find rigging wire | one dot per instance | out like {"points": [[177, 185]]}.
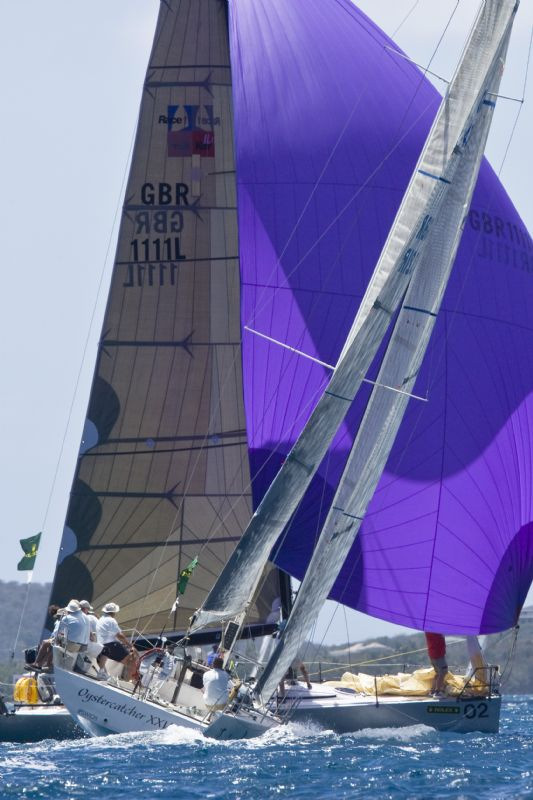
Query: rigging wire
{"points": [[77, 381], [521, 105], [385, 660], [21, 617], [404, 20], [505, 673]]}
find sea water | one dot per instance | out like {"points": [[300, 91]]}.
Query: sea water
{"points": [[293, 762]]}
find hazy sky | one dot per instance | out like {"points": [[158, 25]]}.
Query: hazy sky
{"points": [[72, 75]]}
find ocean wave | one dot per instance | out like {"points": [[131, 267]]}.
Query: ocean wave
{"points": [[405, 734], [295, 761], [22, 762]]}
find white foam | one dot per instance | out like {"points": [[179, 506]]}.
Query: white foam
{"points": [[285, 734], [23, 762], [117, 740], [399, 734], [177, 734]]}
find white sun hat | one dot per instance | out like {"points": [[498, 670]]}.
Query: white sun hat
{"points": [[110, 608], [73, 606]]}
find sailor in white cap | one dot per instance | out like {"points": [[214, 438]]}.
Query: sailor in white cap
{"points": [[88, 610], [115, 645], [74, 628]]}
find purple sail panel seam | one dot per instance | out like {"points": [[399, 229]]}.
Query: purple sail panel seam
{"points": [[444, 315]]}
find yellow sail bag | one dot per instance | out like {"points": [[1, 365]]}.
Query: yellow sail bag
{"points": [[26, 691]]}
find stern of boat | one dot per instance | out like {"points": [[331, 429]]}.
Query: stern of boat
{"points": [[345, 711]]}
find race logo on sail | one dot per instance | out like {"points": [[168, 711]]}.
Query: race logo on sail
{"points": [[190, 130]]}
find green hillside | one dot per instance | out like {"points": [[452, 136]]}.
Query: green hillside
{"points": [[12, 597], [408, 652]]}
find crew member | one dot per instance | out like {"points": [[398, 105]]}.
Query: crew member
{"points": [[212, 655], [436, 645], [74, 628], [88, 610], [479, 669], [44, 656], [217, 686], [297, 663], [115, 645]]}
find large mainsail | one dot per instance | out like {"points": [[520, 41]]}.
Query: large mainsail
{"points": [[483, 58], [163, 473], [403, 250]]}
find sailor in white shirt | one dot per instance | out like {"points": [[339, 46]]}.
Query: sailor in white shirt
{"points": [[94, 648], [115, 645], [87, 609], [217, 686], [74, 628]]}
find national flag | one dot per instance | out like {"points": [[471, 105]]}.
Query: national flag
{"points": [[185, 574], [30, 547]]}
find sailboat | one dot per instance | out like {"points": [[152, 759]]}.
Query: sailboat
{"points": [[164, 466]]}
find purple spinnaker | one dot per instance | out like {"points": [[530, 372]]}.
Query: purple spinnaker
{"points": [[329, 124]]}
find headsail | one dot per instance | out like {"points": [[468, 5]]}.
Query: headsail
{"points": [[403, 249], [452, 511], [483, 58], [163, 473]]}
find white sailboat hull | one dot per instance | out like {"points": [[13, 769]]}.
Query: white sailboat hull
{"points": [[101, 709], [345, 712]]}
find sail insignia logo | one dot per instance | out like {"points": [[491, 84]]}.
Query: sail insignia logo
{"points": [[190, 130]]}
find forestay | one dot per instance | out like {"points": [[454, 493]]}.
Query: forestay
{"points": [[486, 51], [404, 247]]}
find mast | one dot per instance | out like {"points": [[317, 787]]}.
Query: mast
{"points": [[476, 83]]}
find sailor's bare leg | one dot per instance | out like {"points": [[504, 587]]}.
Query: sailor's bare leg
{"points": [[305, 673]]}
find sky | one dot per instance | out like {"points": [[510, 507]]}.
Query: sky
{"points": [[72, 77]]}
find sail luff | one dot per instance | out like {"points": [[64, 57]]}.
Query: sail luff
{"points": [[404, 247], [400, 366]]}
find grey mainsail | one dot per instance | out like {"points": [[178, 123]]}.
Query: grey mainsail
{"points": [[408, 342], [403, 251], [163, 473]]}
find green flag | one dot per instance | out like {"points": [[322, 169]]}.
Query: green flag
{"points": [[185, 574], [30, 547]]}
